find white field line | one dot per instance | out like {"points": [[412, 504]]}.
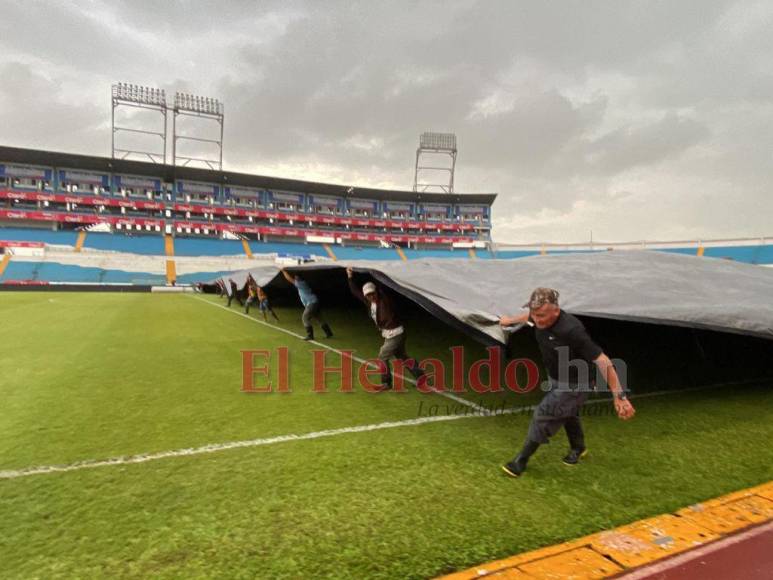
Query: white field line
{"points": [[452, 396], [216, 447]]}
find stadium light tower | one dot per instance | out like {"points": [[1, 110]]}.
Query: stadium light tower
{"points": [[433, 146], [139, 97], [203, 108]]}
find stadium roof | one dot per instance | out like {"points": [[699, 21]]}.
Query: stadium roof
{"points": [[170, 172]]}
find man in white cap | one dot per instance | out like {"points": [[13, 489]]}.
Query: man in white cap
{"points": [[383, 312]]}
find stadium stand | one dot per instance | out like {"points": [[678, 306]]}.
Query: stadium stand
{"points": [[113, 258], [68, 192], [105, 220]]}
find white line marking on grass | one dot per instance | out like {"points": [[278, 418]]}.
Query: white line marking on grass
{"points": [[216, 447], [451, 396]]}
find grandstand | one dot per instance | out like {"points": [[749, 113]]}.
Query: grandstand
{"points": [[81, 219], [83, 205], [64, 192]]}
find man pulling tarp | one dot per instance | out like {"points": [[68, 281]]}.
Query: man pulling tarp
{"points": [[311, 307], [565, 345], [255, 293], [383, 311]]}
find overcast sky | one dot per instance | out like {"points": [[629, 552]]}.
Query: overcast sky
{"points": [[636, 120]]}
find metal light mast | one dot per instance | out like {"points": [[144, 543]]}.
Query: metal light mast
{"points": [[433, 148], [138, 97], [202, 108]]}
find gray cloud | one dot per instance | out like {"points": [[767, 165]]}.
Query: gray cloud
{"points": [[634, 119], [629, 147]]}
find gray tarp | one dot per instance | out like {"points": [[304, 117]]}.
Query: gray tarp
{"points": [[652, 287], [263, 275]]}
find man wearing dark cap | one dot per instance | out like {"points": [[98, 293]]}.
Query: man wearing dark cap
{"points": [[382, 310], [568, 353]]}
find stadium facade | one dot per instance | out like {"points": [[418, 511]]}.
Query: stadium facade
{"points": [[60, 191]]}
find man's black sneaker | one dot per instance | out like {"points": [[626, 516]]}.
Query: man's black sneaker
{"points": [[515, 468], [574, 456]]}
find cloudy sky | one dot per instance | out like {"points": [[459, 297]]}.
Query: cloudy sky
{"points": [[636, 120]]}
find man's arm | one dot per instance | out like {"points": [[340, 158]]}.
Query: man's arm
{"points": [[515, 319], [289, 277], [623, 406], [356, 292]]}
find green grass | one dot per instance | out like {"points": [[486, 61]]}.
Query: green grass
{"points": [[91, 376]]}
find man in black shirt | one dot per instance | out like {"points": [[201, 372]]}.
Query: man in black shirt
{"points": [[569, 354], [233, 293]]}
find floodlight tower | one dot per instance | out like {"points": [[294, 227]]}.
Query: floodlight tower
{"points": [[433, 146], [203, 108], [139, 97]]}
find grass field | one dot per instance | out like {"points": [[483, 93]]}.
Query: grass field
{"points": [[97, 376]]}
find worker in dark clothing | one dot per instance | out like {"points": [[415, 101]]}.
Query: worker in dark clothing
{"points": [[252, 294], [562, 338], [311, 307], [234, 293], [381, 309]]}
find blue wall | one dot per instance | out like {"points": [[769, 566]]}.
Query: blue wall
{"points": [[204, 247], [55, 272], [36, 235], [748, 254], [201, 277], [510, 254], [417, 254], [287, 248], [355, 253], [751, 254], [148, 245]]}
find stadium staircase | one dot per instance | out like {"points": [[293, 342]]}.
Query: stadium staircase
{"points": [[80, 240], [171, 273], [4, 263], [247, 249], [330, 252]]}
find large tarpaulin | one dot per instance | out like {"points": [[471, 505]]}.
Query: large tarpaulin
{"points": [[653, 287], [263, 275]]}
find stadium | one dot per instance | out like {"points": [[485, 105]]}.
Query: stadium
{"points": [[218, 374]]}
